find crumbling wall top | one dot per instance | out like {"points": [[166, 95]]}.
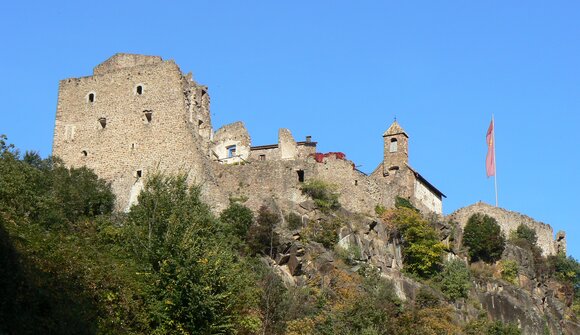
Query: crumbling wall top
{"points": [[122, 60]]}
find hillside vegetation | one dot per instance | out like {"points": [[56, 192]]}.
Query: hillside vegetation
{"points": [[70, 265]]}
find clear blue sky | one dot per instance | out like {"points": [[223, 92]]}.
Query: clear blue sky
{"points": [[340, 71]]}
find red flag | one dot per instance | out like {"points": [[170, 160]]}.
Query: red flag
{"points": [[490, 158]]}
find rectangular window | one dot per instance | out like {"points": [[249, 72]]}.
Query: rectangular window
{"points": [[262, 157], [231, 151]]}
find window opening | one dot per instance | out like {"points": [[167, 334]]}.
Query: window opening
{"points": [[300, 176], [85, 153], [231, 151], [91, 97], [139, 173], [393, 146], [356, 183], [103, 122], [148, 116], [132, 146], [262, 157], [199, 123], [139, 90]]}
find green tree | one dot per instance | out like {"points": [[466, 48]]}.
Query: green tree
{"points": [[484, 238], [237, 219], [422, 249], [199, 285], [262, 237], [454, 280], [526, 233]]}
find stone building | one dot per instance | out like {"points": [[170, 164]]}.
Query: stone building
{"points": [[137, 114]]}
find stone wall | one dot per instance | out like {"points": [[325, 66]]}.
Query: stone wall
{"points": [[231, 143], [509, 221]]}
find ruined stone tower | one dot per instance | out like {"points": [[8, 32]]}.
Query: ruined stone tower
{"points": [[135, 114]]}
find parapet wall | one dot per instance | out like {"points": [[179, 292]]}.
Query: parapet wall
{"points": [[509, 221]]}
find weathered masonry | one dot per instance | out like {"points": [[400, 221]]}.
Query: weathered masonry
{"points": [[138, 114]]}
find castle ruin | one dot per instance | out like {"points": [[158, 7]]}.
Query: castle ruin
{"points": [[140, 114], [137, 114]]}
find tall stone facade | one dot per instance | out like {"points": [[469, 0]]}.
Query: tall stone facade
{"points": [[135, 114], [138, 114]]}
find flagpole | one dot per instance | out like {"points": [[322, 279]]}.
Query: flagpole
{"points": [[494, 161]]}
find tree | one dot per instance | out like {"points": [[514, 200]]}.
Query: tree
{"points": [[198, 284], [237, 219], [525, 233], [262, 239], [483, 238], [422, 249], [454, 280]]}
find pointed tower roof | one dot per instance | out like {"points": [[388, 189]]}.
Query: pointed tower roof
{"points": [[395, 129]]}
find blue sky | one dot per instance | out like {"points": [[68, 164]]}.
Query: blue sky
{"points": [[341, 71]]}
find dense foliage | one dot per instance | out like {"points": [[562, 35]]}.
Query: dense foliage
{"points": [[69, 265], [423, 251], [483, 238], [454, 280]]}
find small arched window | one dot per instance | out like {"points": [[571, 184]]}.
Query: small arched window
{"points": [[84, 153], [139, 90], [91, 97], [393, 146]]}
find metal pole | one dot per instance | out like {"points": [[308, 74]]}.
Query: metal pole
{"points": [[494, 161]]}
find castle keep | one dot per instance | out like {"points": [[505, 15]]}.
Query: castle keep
{"points": [[137, 114]]}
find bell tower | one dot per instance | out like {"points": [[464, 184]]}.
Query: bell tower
{"points": [[396, 154]]}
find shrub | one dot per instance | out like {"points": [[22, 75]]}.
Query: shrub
{"points": [[509, 271], [484, 238], [422, 249], [485, 327], [454, 280], [401, 202], [323, 194], [525, 233], [237, 219], [294, 221], [324, 231]]}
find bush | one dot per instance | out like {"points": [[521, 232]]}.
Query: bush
{"points": [[525, 233], [324, 231], [323, 194], [294, 221], [454, 281], [237, 219], [486, 327], [509, 271], [401, 202], [484, 238], [422, 249]]}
